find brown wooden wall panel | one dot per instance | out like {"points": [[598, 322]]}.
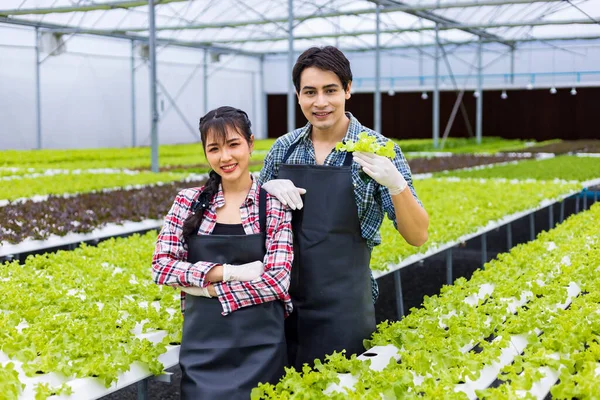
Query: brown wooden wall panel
{"points": [[525, 114]]}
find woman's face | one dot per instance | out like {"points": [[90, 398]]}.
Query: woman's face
{"points": [[230, 158]]}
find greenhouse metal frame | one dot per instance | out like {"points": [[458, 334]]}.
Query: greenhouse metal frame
{"points": [[433, 14]]}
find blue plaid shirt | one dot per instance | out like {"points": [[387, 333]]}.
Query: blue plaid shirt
{"points": [[372, 199]]}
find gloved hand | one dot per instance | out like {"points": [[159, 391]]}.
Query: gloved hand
{"points": [[382, 170], [286, 192], [196, 291], [244, 272]]}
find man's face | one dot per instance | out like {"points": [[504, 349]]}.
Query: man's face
{"points": [[323, 99]]}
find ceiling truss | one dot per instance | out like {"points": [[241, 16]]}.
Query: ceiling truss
{"points": [[226, 45]]}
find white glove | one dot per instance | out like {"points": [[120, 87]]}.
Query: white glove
{"points": [[196, 291], [244, 272], [382, 170], [286, 192]]}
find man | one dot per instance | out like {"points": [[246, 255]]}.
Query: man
{"points": [[337, 224]]}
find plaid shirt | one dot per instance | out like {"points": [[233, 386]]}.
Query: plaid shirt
{"points": [[169, 265], [372, 199]]}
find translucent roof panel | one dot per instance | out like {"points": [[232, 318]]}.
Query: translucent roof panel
{"points": [[261, 26]]}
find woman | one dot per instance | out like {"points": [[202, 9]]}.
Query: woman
{"points": [[228, 245]]}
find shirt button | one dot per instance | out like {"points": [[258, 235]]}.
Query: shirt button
{"points": [[354, 184]]}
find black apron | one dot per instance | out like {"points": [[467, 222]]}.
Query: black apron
{"points": [[331, 280], [224, 357]]}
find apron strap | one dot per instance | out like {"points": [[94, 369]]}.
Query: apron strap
{"points": [[348, 160], [289, 152], [262, 210]]}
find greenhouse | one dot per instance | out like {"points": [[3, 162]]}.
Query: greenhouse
{"points": [[470, 131]]}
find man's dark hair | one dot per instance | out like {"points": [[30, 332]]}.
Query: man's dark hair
{"points": [[327, 58]]}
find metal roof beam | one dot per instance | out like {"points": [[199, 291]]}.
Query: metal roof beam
{"points": [[113, 5], [302, 18], [446, 21], [454, 43], [139, 38], [416, 29]]}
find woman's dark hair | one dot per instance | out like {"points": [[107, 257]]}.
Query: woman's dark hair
{"points": [[327, 58], [216, 122]]}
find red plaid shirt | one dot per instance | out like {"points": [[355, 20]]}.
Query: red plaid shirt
{"points": [[169, 265]]}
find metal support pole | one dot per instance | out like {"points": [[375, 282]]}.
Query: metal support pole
{"points": [[551, 216], [291, 97], [263, 100], [153, 100], [205, 82], [255, 101], [38, 102], [576, 203], [562, 211], [377, 94], [421, 78], [480, 92], [509, 236], [449, 266], [532, 225], [133, 114], [483, 249], [399, 299], [512, 66], [584, 194], [166, 377], [142, 386], [436, 90]]}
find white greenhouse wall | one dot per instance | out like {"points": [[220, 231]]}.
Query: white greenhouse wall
{"points": [[86, 93]]}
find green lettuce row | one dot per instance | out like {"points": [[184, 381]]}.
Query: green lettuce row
{"points": [[74, 312], [10, 386], [193, 153], [143, 162], [562, 167], [16, 172], [68, 184], [457, 208], [488, 145], [570, 344], [571, 341], [526, 263], [431, 340], [54, 158], [450, 366], [139, 157], [584, 381]]}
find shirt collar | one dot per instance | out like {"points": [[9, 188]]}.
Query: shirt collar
{"points": [[219, 199], [305, 132]]}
